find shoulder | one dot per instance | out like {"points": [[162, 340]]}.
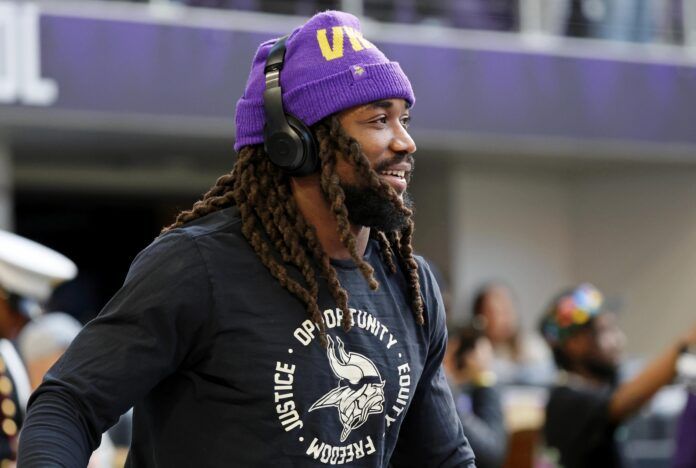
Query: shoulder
{"points": [[227, 220], [182, 248], [433, 305], [565, 397], [428, 278], [423, 265], [430, 289]]}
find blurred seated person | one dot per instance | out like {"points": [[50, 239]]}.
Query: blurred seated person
{"points": [[588, 403], [41, 343], [685, 453], [467, 363], [520, 358]]}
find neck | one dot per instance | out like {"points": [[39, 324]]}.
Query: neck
{"points": [[590, 377], [316, 210]]}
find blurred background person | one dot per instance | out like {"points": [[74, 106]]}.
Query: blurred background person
{"points": [[685, 453], [589, 403], [519, 357], [468, 362], [41, 343], [641, 21], [28, 274]]}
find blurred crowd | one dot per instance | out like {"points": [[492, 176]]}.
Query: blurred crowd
{"points": [[558, 395], [563, 395], [643, 21]]}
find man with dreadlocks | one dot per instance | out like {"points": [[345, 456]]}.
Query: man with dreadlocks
{"points": [[284, 320]]}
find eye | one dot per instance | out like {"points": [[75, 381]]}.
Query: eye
{"points": [[382, 119], [406, 121]]}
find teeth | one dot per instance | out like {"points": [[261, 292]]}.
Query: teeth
{"points": [[400, 174]]}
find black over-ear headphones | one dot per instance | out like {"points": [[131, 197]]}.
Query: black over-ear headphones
{"points": [[287, 140]]}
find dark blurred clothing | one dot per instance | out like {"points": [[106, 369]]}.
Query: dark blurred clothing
{"points": [[481, 413], [578, 426], [685, 455], [14, 391]]}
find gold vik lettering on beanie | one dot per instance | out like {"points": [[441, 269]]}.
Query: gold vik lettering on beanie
{"points": [[334, 50]]}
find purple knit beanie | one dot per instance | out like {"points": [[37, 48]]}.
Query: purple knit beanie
{"points": [[329, 67]]}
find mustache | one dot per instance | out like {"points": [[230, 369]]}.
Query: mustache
{"points": [[396, 159]]}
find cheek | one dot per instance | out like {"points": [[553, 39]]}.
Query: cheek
{"points": [[373, 146], [345, 171], [610, 347]]}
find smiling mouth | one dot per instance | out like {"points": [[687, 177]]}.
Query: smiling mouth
{"points": [[397, 180], [399, 174]]}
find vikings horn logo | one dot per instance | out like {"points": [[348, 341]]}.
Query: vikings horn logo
{"points": [[360, 391]]}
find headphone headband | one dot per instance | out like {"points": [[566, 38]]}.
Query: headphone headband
{"points": [[287, 140]]}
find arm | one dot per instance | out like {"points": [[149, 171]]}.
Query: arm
{"points": [[154, 325], [633, 394], [431, 434], [478, 404], [485, 427]]}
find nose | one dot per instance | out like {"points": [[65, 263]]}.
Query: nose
{"points": [[402, 142]]}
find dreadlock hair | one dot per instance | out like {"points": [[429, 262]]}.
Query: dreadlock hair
{"points": [[275, 228]]}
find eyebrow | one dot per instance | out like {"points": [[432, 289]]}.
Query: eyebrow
{"points": [[381, 104]]}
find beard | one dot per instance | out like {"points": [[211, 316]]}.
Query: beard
{"points": [[603, 370], [367, 207]]}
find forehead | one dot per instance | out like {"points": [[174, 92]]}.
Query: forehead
{"points": [[395, 105], [606, 321]]}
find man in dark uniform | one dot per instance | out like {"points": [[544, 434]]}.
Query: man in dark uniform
{"points": [[28, 274], [284, 320]]}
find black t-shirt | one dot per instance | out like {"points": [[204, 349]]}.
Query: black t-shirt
{"points": [[578, 425], [225, 369]]}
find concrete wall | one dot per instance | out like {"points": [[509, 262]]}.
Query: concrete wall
{"points": [[634, 234], [512, 226], [631, 231], [431, 191]]}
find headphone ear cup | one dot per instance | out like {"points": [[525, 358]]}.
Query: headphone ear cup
{"points": [[310, 161], [285, 148]]}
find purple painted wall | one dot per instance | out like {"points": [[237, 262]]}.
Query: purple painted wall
{"points": [[126, 67]]}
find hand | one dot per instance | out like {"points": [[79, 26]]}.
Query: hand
{"points": [[479, 360], [689, 339]]}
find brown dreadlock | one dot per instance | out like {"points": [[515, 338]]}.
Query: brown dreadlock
{"points": [[272, 222]]}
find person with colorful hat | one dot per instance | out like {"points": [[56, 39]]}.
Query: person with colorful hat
{"points": [[588, 404], [29, 272], [284, 319]]}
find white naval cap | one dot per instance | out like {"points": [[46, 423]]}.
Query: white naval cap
{"points": [[30, 269]]}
